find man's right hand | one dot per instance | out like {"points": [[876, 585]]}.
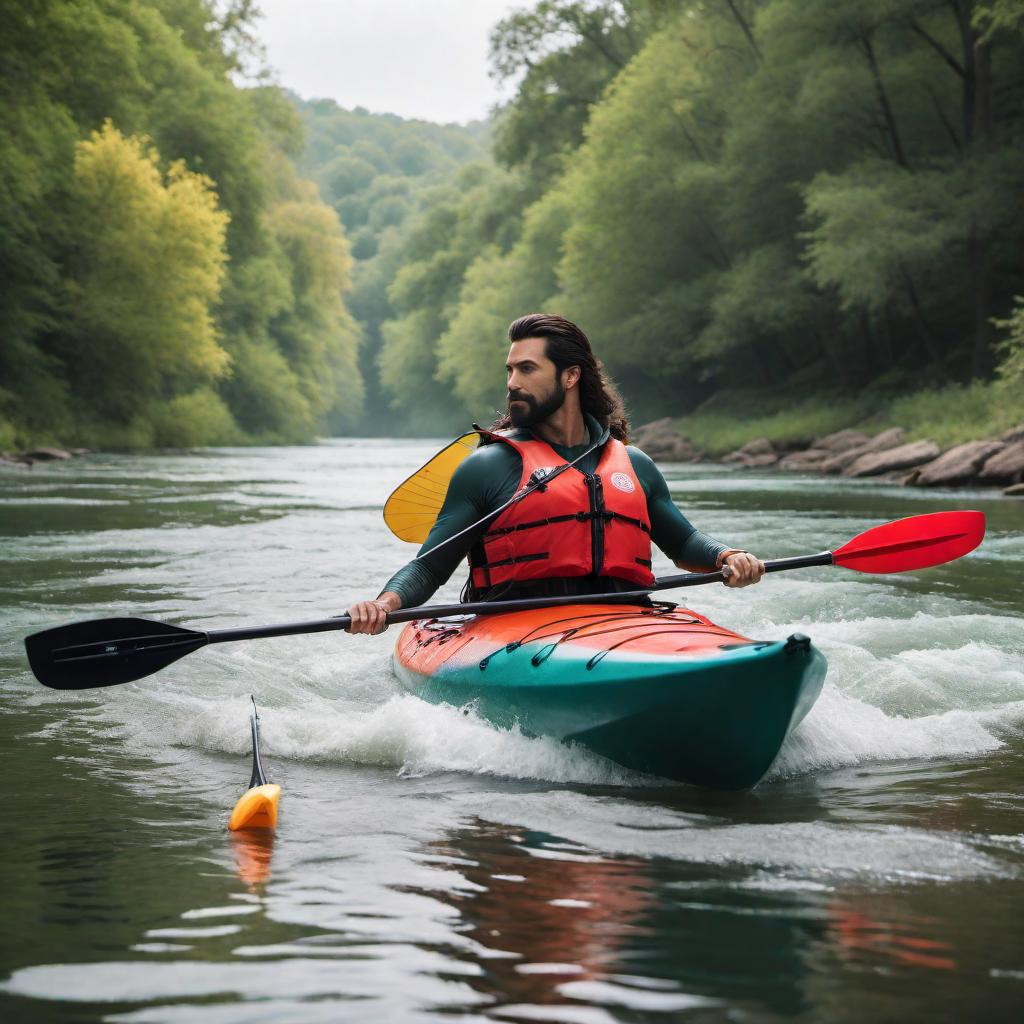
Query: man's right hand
{"points": [[371, 616]]}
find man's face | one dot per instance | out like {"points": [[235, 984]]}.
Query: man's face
{"points": [[535, 388]]}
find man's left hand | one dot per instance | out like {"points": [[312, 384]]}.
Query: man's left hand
{"points": [[745, 569]]}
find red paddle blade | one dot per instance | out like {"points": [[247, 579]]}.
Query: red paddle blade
{"points": [[913, 543]]}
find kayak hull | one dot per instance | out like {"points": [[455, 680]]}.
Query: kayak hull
{"points": [[659, 690]]}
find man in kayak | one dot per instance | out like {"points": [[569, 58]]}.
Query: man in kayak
{"points": [[589, 529]]}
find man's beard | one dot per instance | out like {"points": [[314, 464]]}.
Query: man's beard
{"points": [[535, 412]]}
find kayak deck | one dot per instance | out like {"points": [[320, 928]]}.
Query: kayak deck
{"points": [[657, 689]]}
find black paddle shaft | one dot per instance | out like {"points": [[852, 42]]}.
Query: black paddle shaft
{"points": [[258, 777], [690, 579], [106, 652]]}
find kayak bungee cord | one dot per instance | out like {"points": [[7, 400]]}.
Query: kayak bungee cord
{"points": [[666, 620], [587, 630]]}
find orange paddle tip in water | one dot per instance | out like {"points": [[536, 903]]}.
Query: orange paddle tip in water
{"points": [[256, 808]]}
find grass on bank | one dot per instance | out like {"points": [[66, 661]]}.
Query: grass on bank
{"points": [[948, 416]]}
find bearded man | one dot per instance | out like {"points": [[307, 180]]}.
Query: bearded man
{"points": [[589, 530]]}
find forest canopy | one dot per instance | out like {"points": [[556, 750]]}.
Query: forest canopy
{"points": [[756, 196], [168, 278], [733, 195]]}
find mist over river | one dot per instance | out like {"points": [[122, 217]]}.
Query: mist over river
{"points": [[428, 867]]}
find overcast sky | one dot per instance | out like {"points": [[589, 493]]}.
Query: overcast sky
{"points": [[416, 58]]}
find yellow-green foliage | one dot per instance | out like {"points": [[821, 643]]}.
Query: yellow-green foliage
{"points": [[144, 259], [149, 262], [317, 335], [198, 418], [8, 435], [1012, 368]]}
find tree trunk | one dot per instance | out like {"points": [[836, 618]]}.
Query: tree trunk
{"points": [[977, 114], [888, 115], [840, 368], [979, 254], [878, 342], [924, 330]]}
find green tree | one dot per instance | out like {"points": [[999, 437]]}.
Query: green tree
{"points": [[571, 51], [456, 225], [148, 265], [496, 289], [1012, 367]]}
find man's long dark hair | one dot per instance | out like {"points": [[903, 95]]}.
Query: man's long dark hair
{"points": [[568, 346]]}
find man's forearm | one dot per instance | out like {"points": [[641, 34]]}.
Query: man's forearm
{"points": [[701, 553], [413, 584]]}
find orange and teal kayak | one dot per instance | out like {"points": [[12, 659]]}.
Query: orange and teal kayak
{"points": [[657, 689]]}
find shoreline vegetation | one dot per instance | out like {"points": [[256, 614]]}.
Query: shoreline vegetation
{"points": [[915, 441], [803, 199], [951, 438]]}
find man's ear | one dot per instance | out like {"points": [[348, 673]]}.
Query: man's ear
{"points": [[572, 377]]}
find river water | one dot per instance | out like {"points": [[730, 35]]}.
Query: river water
{"points": [[427, 867]]}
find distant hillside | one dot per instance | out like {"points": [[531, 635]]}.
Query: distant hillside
{"points": [[378, 171]]}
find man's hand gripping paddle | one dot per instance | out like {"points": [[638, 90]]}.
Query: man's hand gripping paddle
{"points": [[105, 652]]}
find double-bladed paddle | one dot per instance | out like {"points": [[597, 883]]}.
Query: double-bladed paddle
{"points": [[105, 652]]}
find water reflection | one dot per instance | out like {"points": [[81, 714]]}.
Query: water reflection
{"points": [[858, 935], [560, 925], [253, 851]]}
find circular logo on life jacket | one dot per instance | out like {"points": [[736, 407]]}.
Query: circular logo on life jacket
{"points": [[624, 482]]}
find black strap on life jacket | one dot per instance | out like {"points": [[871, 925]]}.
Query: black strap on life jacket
{"points": [[519, 495]]}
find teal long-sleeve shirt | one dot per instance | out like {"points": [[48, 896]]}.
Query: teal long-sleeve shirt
{"points": [[491, 475]]}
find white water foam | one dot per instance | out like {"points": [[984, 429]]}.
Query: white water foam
{"points": [[403, 733], [842, 731]]}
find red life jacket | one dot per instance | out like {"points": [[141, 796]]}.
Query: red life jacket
{"points": [[581, 525]]}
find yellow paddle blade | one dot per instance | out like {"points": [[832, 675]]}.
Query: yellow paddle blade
{"points": [[413, 506]]}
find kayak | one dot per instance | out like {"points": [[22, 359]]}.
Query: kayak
{"points": [[658, 689]]}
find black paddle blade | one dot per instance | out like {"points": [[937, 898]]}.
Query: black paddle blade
{"points": [[105, 652]]}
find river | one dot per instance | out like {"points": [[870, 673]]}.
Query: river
{"points": [[430, 868]]}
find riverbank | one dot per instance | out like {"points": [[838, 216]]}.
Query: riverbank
{"points": [[955, 436]]}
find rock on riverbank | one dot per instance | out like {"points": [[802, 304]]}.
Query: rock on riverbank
{"points": [[995, 461], [25, 460], [661, 440]]}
